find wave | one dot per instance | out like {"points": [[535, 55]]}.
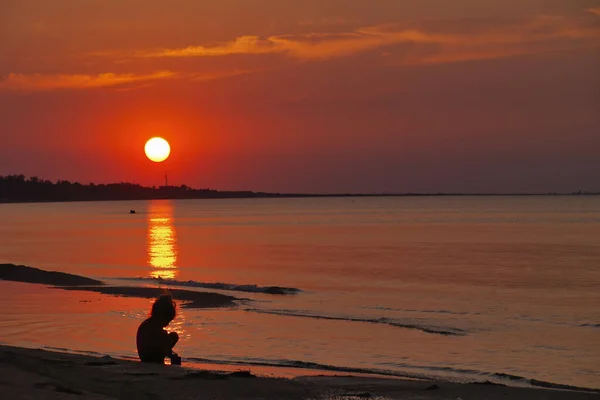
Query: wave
{"points": [[518, 317], [84, 352], [219, 285], [448, 331], [307, 365], [417, 311], [460, 375]]}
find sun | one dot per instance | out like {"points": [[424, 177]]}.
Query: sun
{"points": [[157, 149]]}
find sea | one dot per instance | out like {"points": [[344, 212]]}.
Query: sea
{"points": [[504, 289]]}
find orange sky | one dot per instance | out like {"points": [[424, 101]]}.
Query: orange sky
{"points": [[305, 95]]}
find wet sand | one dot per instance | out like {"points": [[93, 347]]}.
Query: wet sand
{"points": [[188, 298], [39, 374], [21, 273], [61, 280]]}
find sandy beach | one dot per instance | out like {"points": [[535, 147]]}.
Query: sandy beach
{"points": [[40, 374]]}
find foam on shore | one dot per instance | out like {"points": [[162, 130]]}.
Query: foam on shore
{"points": [[437, 330], [249, 288]]}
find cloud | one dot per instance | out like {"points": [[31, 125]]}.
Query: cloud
{"points": [[495, 39], [241, 45], [595, 11], [542, 35], [454, 56], [41, 82], [212, 76], [306, 46], [325, 21]]}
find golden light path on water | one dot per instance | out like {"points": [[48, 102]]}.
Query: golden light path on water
{"points": [[162, 256], [161, 240]]}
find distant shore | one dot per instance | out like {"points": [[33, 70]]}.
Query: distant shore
{"points": [[19, 189], [301, 196], [35, 373]]}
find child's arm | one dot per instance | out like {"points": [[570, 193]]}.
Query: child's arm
{"points": [[167, 341], [173, 338]]}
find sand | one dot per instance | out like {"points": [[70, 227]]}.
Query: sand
{"points": [[40, 374], [22, 273], [64, 281], [187, 298]]}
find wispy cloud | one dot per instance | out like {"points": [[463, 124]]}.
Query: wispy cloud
{"points": [[493, 41], [241, 45], [213, 76], [306, 46], [542, 35], [41, 82], [594, 11], [326, 21]]}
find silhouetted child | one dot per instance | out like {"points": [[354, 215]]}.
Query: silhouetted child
{"points": [[154, 343]]}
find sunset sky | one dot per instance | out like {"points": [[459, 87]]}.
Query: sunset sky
{"points": [[305, 95]]}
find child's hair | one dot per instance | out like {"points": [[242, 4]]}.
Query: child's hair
{"points": [[164, 307]]}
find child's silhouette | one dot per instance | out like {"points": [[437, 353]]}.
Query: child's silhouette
{"points": [[154, 343]]}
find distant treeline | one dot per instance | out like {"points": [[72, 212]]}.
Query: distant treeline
{"points": [[17, 188]]}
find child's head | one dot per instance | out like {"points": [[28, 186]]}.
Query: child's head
{"points": [[164, 309]]}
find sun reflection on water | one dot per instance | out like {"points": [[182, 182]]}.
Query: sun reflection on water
{"points": [[162, 240]]}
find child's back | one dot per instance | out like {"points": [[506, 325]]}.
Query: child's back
{"points": [[154, 343]]}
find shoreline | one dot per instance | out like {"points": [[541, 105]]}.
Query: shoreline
{"points": [[277, 196], [294, 369], [37, 373], [65, 281], [200, 299]]}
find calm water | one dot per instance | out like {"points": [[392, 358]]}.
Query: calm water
{"points": [[459, 288]]}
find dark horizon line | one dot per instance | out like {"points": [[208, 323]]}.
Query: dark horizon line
{"points": [[19, 189]]}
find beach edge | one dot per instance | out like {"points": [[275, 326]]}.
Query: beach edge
{"points": [[35, 373]]}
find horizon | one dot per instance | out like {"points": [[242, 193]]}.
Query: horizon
{"points": [[310, 97], [39, 180]]}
